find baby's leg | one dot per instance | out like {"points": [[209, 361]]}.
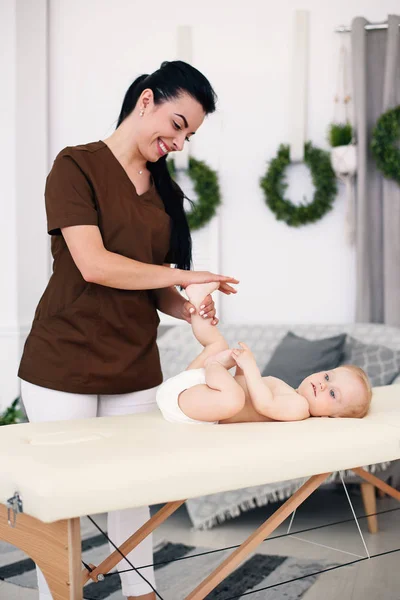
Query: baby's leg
{"points": [[208, 335], [204, 332], [221, 398]]}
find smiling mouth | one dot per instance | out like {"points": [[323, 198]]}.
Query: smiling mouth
{"points": [[314, 389], [162, 147]]}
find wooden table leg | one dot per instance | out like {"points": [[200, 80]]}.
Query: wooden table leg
{"points": [[55, 548], [368, 494], [378, 483], [134, 540], [369, 501], [234, 559]]}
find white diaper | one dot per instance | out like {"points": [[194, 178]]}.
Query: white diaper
{"points": [[168, 393]]}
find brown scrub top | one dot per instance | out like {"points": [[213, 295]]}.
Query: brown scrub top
{"points": [[87, 338]]}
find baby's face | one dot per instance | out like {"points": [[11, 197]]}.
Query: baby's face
{"points": [[328, 392]]}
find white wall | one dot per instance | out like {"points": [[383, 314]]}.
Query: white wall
{"points": [[97, 48]]}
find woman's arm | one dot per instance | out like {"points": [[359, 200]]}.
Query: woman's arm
{"points": [[171, 302], [98, 265]]}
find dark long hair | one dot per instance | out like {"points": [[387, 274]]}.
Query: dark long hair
{"points": [[168, 83]]}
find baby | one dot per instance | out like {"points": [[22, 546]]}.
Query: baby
{"points": [[206, 392]]}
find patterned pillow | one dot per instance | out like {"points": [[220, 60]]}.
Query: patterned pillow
{"points": [[380, 363]]}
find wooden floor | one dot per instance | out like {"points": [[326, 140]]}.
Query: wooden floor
{"points": [[376, 579]]}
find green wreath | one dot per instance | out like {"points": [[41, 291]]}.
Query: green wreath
{"points": [[384, 143], [207, 189], [273, 183]]}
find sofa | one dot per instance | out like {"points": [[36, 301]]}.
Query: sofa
{"points": [[178, 347]]}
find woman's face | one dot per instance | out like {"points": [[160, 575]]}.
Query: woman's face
{"points": [[167, 126]]}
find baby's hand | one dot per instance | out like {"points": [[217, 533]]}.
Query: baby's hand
{"points": [[243, 356]]}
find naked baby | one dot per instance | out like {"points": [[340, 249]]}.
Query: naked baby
{"points": [[207, 393]]}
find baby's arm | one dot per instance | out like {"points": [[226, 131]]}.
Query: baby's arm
{"points": [[283, 407]]}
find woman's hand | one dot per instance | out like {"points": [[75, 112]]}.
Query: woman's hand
{"points": [[188, 277], [207, 310], [207, 307]]}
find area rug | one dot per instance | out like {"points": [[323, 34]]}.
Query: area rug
{"points": [[176, 579]]}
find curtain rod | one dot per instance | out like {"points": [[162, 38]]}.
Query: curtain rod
{"points": [[346, 29]]}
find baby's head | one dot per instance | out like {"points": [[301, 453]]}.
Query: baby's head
{"points": [[341, 392]]}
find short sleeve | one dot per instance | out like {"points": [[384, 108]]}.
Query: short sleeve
{"points": [[69, 196]]}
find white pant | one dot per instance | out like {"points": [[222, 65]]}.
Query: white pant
{"points": [[43, 404]]}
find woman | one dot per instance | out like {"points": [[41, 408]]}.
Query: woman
{"points": [[117, 223]]}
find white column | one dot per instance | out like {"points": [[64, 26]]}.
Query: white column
{"points": [[23, 154], [184, 52], [8, 242], [299, 89], [31, 155]]}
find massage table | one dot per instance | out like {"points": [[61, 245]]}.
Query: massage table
{"points": [[53, 473]]}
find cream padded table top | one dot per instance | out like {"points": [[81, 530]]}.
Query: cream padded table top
{"points": [[67, 469]]}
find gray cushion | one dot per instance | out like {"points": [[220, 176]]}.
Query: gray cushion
{"points": [[296, 357], [381, 364]]}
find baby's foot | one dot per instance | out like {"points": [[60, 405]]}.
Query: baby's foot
{"points": [[224, 358], [196, 292]]}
